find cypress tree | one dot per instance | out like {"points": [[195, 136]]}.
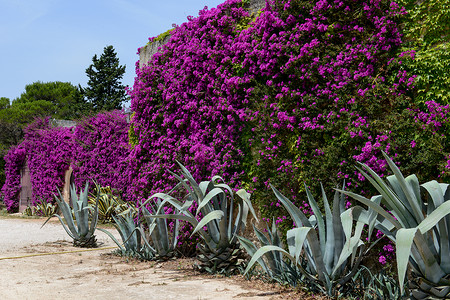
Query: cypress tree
{"points": [[105, 90]]}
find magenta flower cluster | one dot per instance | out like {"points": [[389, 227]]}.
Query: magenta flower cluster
{"points": [[14, 162], [101, 150]]}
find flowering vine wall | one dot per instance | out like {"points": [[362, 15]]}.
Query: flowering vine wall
{"points": [[298, 93], [96, 149]]}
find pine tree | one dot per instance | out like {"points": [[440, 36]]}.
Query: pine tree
{"points": [[105, 90]]}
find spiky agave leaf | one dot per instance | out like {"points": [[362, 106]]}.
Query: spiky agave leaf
{"points": [[334, 248], [420, 231], [80, 228], [215, 203]]}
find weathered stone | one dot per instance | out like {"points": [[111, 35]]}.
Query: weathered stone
{"points": [[146, 52]]}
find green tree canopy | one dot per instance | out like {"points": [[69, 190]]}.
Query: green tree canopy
{"points": [[105, 90], [61, 100], [4, 102]]}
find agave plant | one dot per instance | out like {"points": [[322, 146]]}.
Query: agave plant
{"points": [[163, 239], [81, 220], [331, 245], [420, 228], [273, 263], [381, 286], [108, 203], [132, 237], [42, 208], [215, 204]]}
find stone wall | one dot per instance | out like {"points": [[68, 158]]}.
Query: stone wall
{"points": [[146, 52]]}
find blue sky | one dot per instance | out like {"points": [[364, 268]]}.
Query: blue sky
{"points": [[55, 40]]}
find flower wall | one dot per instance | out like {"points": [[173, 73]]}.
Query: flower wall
{"points": [[15, 159], [97, 149], [297, 94], [101, 150]]}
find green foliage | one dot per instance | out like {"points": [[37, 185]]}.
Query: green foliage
{"points": [[433, 74], [81, 220], [42, 209], [426, 29], [4, 102], [419, 227], [60, 100], [108, 203], [330, 243], [427, 22], [133, 139], [23, 113], [163, 35], [105, 90], [377, 286], [63, 96]]}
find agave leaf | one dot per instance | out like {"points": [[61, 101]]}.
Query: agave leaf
{"points": [[224, 186], [217, 178], [181, 217], [263, 250], [372, 216], [163, 196], [275, 240], [404, 240], [214, 215], [67, 213], [73, 194], [296, 237], [251, 250], [375, 206], [172, 201], [337, 224], [319, 218], [144, 239], [261, 237], [205, 186], [245, 196], [182, 182], [72, 234], [407, 189], [432, 219], [271, 256], [238, 222], [175, 234], [392, 202], [330, 241], [125, 225], [84, 194], [113, 238], [160, 235], [350, 246], [397, 189], [314, 247], [192, 181], [94, 220], [214, 192], [437, 217], [295, 213]]}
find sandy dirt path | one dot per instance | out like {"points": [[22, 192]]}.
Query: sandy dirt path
{"points": [[93, 274]]}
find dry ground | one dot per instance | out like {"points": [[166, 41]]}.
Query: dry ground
{"points": [[40, 263]]}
